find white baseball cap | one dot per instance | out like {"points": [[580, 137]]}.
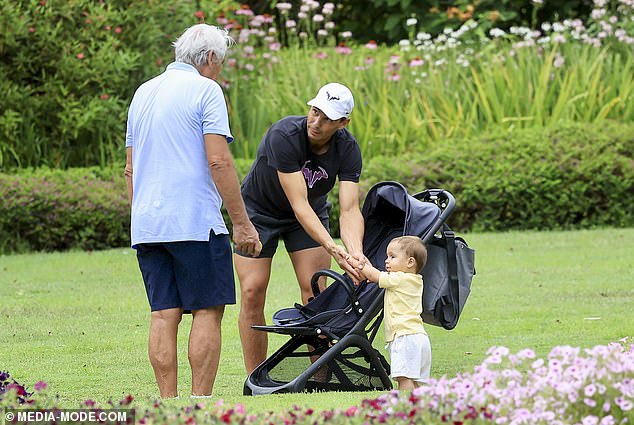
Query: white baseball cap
{"points": [[335, 100]]}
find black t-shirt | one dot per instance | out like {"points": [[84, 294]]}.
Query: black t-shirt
{"points": [[285, 147]]}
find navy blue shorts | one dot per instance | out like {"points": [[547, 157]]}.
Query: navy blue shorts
{"points": [[272, 229], [190, 275]]}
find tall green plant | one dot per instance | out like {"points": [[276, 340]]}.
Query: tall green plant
{"points": [[400, 104]]}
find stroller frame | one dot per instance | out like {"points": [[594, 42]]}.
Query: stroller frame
{"points": [[334, 352]]}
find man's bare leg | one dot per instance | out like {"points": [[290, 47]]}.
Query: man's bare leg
{"points": [[253, 274], [162, 349], [205, 343]]}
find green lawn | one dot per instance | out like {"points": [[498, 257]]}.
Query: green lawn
{"points": [[79, 320]]}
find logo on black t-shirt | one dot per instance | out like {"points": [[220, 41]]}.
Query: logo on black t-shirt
{"points": [[313, 176]]}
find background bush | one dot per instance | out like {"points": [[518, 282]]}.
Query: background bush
{"points": [[68, 69], [52, 210], [571, 176], [385, 20]]}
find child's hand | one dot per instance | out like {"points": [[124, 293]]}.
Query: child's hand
{"points": [[362, 264]]}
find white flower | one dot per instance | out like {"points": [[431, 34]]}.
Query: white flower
{"points": [[283, 7], [411, 22], [557, 27], [496, 32]]}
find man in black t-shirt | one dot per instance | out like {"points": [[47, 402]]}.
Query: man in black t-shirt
{"points": [[285, 193]]}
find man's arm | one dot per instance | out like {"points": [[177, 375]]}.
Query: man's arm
{"points": [[128, 172], [351, 224], [295, 190], [223, 172]]}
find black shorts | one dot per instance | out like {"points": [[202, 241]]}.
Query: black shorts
{"points": [[190, 275], [271, 229]]}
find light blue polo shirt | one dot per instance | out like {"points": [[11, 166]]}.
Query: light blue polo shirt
{"points": [[174, 195]]}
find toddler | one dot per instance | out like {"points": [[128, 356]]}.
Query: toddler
{"points": [[409, 346]]}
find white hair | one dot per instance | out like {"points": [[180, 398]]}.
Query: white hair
{"points": [[194, 45]]}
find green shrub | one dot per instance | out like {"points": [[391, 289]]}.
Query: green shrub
{"points": [[53, 210], [571, 176], [68, 69]]}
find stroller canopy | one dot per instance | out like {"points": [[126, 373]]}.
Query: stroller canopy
{"points": [[389, 211]]}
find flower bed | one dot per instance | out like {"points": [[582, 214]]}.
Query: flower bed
{"points": [[570, 386]]}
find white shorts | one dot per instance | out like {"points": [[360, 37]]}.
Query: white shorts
{"points": [[411, 357]]}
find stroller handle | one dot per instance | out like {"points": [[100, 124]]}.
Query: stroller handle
{"points": [[441, 197], [349, 287]]}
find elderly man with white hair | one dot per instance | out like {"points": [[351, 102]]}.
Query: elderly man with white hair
{"points": [[179, 171]]}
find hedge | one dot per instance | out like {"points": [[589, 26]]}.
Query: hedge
{"points": [[569, 177], [55, 210]]}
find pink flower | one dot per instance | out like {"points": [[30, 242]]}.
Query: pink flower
{"points": [[80, 56], [104, 96], [416, 62], [244, 10], [275, 46], [342, 49], [107, 27], [199, 14], [40, 386], [394, 77], [371, 45], [118, 30], [352, 411], [320, 55]]}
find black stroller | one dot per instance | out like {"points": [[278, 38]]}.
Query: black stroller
{"points": [[330, 348]]}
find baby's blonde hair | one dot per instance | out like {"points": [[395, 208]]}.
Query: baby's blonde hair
{"points": [[413, 247]]}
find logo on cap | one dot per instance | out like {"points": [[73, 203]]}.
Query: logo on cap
{"points": [[331, 97]]}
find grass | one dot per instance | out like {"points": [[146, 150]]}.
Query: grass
{"points": [[79, 320]]}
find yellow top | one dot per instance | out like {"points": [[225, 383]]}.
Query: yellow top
{"points": [[403, 304]]}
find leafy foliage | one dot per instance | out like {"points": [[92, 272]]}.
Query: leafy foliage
{"points": [[385, 20], [570, 176], [54, 210], [68, 70]]}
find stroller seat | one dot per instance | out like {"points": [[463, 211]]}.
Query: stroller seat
{"points": [[328, 313], [330, 346]]}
